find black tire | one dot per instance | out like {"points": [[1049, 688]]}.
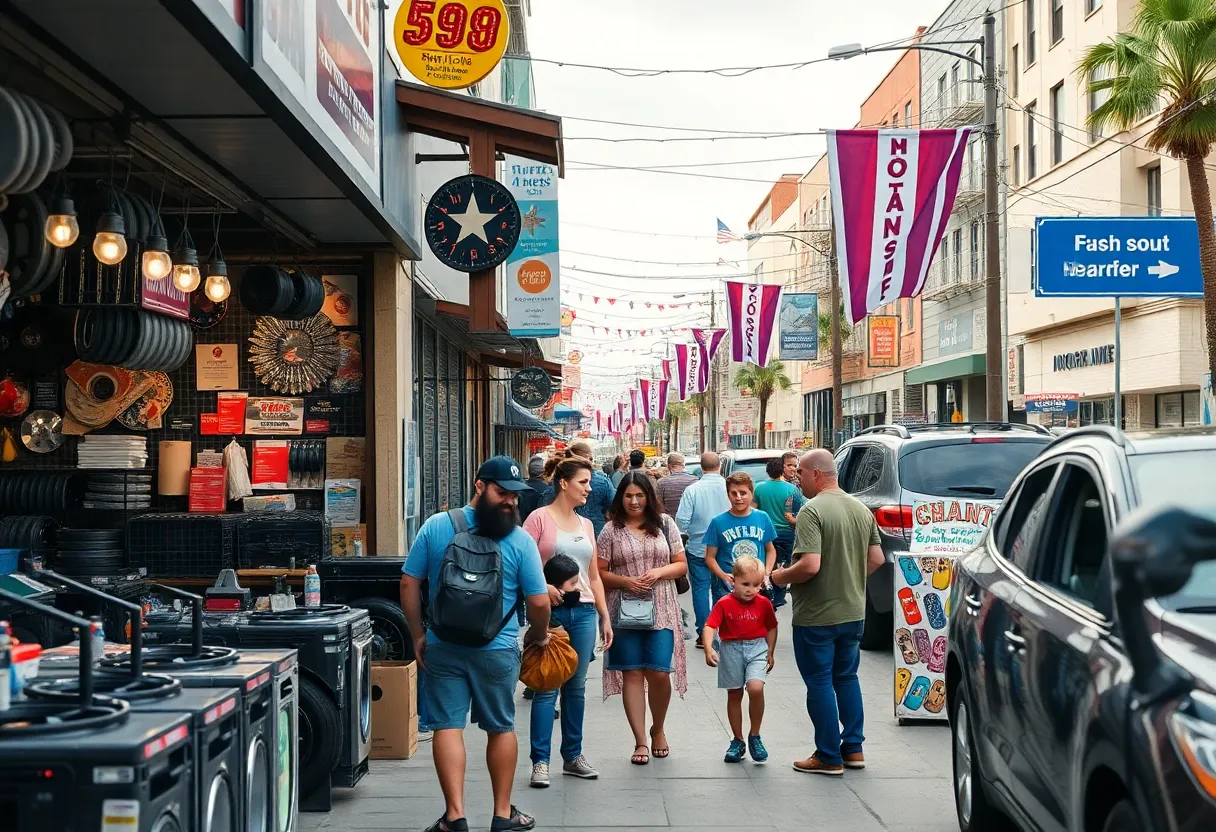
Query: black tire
{"points": [[321, 736], [879, 629], [390, 634], [981, 816], [1122, 818]]}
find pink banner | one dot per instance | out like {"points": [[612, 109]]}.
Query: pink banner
{"points": [[662, 387], [635, 407], [708, 340], [752, 312], [688, 370], [647, 390], [667, 368], [892, 194]]}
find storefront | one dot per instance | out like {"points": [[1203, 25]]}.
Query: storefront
{"points": [[953, 389], [1162, 367], [861, 412]]}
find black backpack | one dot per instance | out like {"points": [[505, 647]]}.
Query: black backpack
{"points": [[468, 604]]}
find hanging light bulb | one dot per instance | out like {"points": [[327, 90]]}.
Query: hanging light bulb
{"points": [[62, 229], [186, 276], [157, 264], [110, 244], [217, 286]]}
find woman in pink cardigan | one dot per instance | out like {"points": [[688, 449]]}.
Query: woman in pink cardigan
{"points": [[557, 530]]}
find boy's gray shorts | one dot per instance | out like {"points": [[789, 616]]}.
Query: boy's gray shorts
{"points": [[741, 661]]}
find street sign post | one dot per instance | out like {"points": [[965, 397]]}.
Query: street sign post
{"points": [[1117, 257]]}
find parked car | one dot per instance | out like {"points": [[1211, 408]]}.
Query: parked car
{"points": [[890, 467], [1075, 703], [751, 462]]}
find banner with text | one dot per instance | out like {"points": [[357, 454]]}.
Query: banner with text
{"points": [[533, 269], [884, 341], [708, 340], [751, 309]]}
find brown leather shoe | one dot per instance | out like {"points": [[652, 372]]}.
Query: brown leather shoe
{"points": [[814, 765], [857, 760]]}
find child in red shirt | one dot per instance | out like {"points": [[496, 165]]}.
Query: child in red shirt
{"points": [[747, 626]]}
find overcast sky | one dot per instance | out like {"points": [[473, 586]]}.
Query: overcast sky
{"points": [[677, 213]]}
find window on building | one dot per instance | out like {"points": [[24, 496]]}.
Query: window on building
{"points": [[908, 114], [1094, 100], [1176, 410], [1154, 191], [895, 119], [1032, 150], [1057, 21], [944, 260], [1099, 412], [1092, 6], [1017, 164], [954, 85], [1057, 128], [1014, 71], [975, 251], [958, 253], [1031, 32], [941, 93]]}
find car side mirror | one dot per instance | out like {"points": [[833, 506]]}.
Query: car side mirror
{"points": [[1153, 555]]}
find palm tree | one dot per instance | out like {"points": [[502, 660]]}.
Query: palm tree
{"points": [[763, 382], [1169, 54], [825, 326], [700, 402]]}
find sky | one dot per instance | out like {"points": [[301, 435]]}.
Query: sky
{"points": [[672, 217]]}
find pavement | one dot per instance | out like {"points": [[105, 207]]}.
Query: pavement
{"points": [[906, 786]]}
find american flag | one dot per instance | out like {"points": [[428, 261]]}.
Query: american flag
{"points": [[725, 235]]}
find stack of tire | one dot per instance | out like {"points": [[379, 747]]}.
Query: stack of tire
{"points": [[132, 338], [269, 290], [32, 532], [38, 492], [118, 492], [91, 553]]}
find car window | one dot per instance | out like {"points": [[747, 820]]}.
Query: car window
{"points": [[843, 463], [978, 469], [865, 469], [1022, 517], [757, 469], [1073, 553]]}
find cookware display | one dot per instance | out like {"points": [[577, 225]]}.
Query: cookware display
{"points": [[306, 463], [96, 393], [36, 141], [133, 338], [294, 356], [91, 552], [118, 492], [42, 431], [27, 531], [38, 492], [269, 290]]}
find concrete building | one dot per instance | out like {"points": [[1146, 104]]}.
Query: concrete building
{"points": [[1059, 168]]}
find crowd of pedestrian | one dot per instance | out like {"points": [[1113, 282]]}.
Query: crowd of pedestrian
{"points": [[604, 555]]}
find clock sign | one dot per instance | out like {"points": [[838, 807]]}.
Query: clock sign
{"points": [[472, 223]]}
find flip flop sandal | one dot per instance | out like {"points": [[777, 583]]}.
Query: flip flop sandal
{"points": [[660, 753], [640, 759]]}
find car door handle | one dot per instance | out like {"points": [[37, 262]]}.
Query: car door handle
{"points": [[1016, 642]]}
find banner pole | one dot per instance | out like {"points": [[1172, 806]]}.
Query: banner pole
{"points": [[1118, 359]]}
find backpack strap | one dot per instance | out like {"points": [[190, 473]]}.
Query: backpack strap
{"points": [[459, 522]]}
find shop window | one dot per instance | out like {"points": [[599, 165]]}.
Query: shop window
{"points": [[1175, 410], [1099, 412]]}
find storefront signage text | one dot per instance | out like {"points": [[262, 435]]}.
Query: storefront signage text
{"points": [[1051, 402], [954, 334], [452, 44], [1093, 356]]}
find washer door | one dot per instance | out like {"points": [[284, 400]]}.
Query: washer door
{"points": [[285, 733], [257, 787], [364, 669], [220, 808], [166, 823]]}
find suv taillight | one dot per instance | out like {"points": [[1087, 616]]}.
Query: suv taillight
{"points": [[894, 521]]}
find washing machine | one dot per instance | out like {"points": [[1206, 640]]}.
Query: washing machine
{"points": [[285, 760]]}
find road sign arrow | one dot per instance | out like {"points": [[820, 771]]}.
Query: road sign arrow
{"points": [[1163, 269]]}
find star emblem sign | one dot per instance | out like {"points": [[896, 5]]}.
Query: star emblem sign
{"points": [[472, 222]]}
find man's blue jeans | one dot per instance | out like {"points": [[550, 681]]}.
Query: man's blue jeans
{"points": [[581, 624], [784, 544], [698, 578], [828, 658]]}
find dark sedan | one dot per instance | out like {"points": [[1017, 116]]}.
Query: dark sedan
{"points": [[1066, 714]]}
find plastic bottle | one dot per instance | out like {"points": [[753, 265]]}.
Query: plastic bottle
{"points": [[312, 587], [97, 632], [6, 667]]}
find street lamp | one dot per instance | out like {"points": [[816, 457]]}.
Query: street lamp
{"points": [[994, 366]]}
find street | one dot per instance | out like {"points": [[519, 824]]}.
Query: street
{"points": [[906, 786]]}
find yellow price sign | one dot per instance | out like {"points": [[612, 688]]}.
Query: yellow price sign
{"points": [[451, 44]]}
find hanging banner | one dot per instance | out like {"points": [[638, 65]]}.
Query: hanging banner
{"points": [[708, 340], [884, 341], [892, 194], [662, 386], [752, 312], [636, 414], [646, 391], [667, 368], [799, 330], [688, 370], [533, 279]]}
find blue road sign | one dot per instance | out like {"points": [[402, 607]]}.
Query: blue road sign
{"points": [[1117, 257]]}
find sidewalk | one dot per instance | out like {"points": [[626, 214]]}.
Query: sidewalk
{"points": [[906, 787]]}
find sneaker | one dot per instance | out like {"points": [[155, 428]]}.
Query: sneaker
{"points": [[855, 760], [579, 767], [540, 776], [518, 822], [445, 825], [734, 754], [814, 765], [755, 747]]}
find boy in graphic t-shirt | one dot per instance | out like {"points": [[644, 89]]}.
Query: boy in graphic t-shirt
{"points": [[743, 530], [747, 625]]}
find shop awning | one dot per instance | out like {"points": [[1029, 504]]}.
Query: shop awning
{"points": [[964, 365], [522, 420], [498, 348]]}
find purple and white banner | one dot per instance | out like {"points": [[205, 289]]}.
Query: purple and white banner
{"points": [[708, 341], [654, 398], [636, 414], [667, 368], [662, 386], [688, 370], [892, 194], [752, 310]]}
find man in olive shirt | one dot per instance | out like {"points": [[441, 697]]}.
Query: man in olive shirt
{"points": [[836, 547]]}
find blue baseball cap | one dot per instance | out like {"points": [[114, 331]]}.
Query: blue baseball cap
{"points": [[503, 472]]}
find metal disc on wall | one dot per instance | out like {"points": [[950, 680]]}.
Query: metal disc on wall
{"points": [[294, 356], [42, 431]]}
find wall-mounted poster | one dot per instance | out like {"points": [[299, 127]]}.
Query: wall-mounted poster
{"points": [[217, 367], [953, 526], [883, 341], [798, 328], [274, 417], [341, 304], [348, 378], [533, 269]]}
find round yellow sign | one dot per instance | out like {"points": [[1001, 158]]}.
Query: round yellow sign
{"points": [[451, 44]]}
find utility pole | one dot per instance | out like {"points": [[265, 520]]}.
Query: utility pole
{"points": [[837, 358], [994, 364]]}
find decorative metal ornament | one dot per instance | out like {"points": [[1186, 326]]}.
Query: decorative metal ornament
{"points": [[42, 431], [531, 387], [294, 357]]}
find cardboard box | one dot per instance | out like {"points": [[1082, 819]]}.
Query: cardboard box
{"points": [[394, 710]]}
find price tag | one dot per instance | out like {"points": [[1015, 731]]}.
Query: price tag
{"points": [[451, 44]]}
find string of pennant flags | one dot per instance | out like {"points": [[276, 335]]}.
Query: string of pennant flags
{"points": [[642, 304]]}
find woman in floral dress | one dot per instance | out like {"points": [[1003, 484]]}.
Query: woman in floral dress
{"points": [[640, 556]]}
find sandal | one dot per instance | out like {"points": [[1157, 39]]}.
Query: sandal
{"points": [[640, 759], [660, 753]]}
